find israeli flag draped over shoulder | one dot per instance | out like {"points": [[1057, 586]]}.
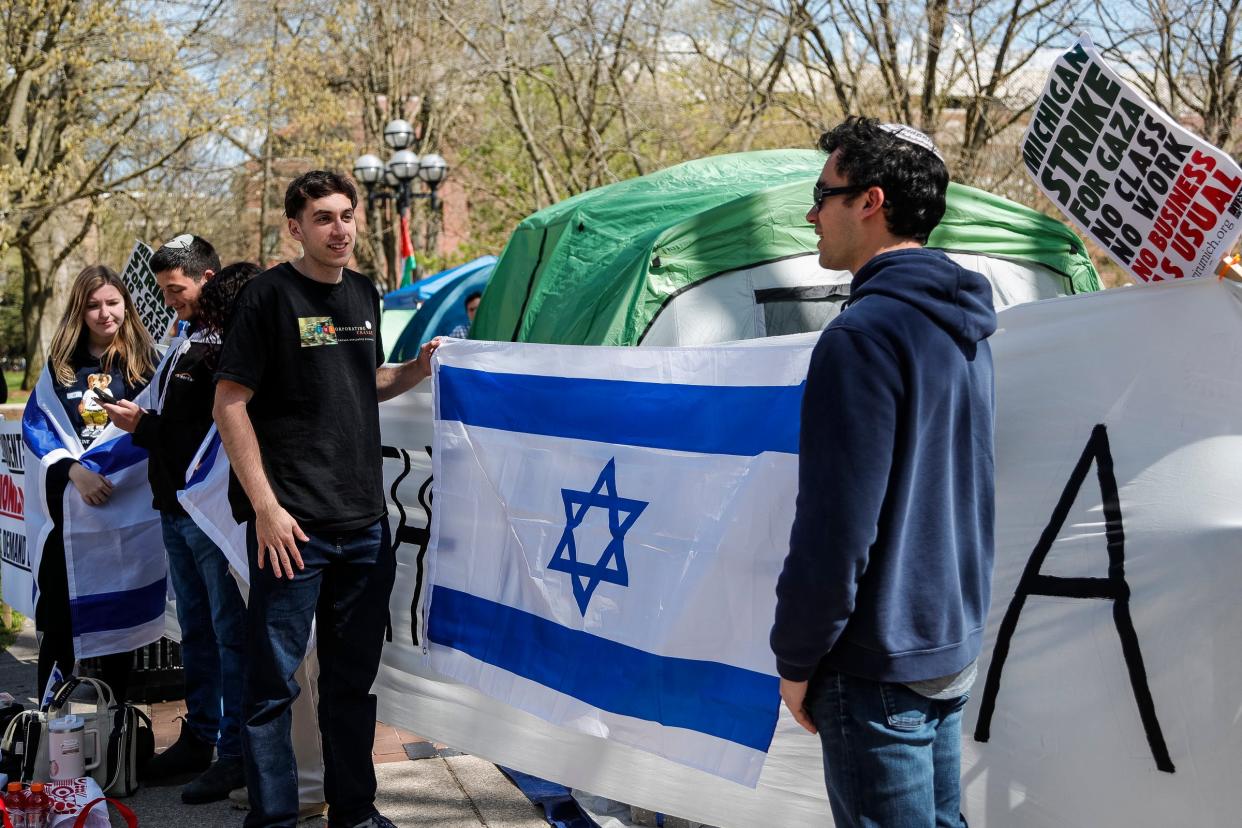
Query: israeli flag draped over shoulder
{"points": [[205, 499], [114, 553], [594, 542]]}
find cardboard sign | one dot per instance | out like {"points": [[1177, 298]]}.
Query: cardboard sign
{"points": [[1163, 203], [156, 317]]}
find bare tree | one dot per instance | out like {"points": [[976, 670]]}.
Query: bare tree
{"points": [[402, 65], [998, 42], [93, 98], [744, 49], [585, 86], [1186, 56]]}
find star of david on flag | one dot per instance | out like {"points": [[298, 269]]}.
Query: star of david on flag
{"points": [[587, 576]]}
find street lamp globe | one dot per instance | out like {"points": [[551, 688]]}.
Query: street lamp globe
{"points": [[390, 179], [403, 164], [398, 134], [368, 169], [433, 169]]}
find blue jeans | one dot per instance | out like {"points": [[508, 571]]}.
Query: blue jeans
{"points": [[344, 586], [212, 616], [892, 758]]}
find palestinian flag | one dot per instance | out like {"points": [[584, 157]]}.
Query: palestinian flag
{"points": [[408, 264]]}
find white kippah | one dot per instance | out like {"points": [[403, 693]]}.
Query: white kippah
{"points": [[180, 242], [913, 136]]}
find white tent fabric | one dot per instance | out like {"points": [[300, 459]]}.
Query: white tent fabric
{"points": [[730, 306], [1106, 711]]}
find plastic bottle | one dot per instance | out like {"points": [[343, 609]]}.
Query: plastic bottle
{"points": [[38, 807], [15, 801]]}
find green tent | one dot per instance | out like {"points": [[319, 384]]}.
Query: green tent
{"points": [[613, 265]]}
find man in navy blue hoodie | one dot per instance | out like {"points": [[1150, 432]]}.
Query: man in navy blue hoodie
{"points": [[884, 594]]}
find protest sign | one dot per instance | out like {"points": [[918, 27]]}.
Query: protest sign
{"points": [[1163, 203], [15, 570], [148, 299]]}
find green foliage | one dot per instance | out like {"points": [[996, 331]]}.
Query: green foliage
{"points": [[12, 344], [9, 631]]}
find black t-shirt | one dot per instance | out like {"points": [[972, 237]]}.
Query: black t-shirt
{"points": [[309, 352], [78, 399]]}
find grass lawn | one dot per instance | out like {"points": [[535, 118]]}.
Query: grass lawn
{"points": [[14, 380]]}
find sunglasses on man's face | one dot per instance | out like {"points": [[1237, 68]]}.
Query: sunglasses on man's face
{"points": [[821, 192]]}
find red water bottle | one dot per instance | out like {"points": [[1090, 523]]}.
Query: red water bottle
{"points": [[15, 802], [38, 807]]}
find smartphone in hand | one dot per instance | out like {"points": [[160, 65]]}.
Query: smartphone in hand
{"points": [[105, 395]]}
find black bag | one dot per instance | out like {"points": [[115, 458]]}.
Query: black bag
{"points": [[132, 745], [9, 765], [20, 745]]}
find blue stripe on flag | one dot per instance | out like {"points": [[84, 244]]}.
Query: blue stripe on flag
{"points": [[708, 419], [105, 458], [730, 703], [104, 611], [37, 430], [207, 463], [114, 455]]}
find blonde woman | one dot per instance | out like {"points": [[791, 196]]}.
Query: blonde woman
{"points": [[100, 350]]}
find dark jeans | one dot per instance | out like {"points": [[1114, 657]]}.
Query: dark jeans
{"points": [[212, 616], [892, 758], [345, 586]]}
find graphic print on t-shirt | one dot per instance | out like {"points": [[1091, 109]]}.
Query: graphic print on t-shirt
{"points": [[316, 330], [94, 417], [321, 330]]}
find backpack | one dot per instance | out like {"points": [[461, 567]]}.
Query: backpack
{"points": [[132, 745], [118, 739]]}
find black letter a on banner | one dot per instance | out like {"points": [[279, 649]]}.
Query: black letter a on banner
{"points": [[1113, 588]]}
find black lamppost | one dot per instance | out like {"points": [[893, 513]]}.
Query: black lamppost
{"points": [[395, 180]]}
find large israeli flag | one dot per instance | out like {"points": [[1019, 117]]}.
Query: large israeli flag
{"points": [[598, 515], [114, 553]]}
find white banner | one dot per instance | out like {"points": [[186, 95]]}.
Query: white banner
{"points": [[1162, 202], [16, 577], [1119, 451]]}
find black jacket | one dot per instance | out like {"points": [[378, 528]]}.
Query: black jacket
{"points": [[172, 435]]}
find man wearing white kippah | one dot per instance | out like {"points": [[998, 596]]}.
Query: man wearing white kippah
{"points": [[884, 593]]}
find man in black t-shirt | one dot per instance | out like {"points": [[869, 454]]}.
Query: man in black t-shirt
{"points": [[301, 375]]}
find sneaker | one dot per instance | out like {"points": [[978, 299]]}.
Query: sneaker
{"points": [[376, 821], [185, 759], [215, 783], [241, 801]]}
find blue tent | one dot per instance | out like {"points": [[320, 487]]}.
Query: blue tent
{"points": [[411, 295], [444, 311]]}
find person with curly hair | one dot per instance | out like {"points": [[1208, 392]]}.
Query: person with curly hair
{"points": [[210, 609]]}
